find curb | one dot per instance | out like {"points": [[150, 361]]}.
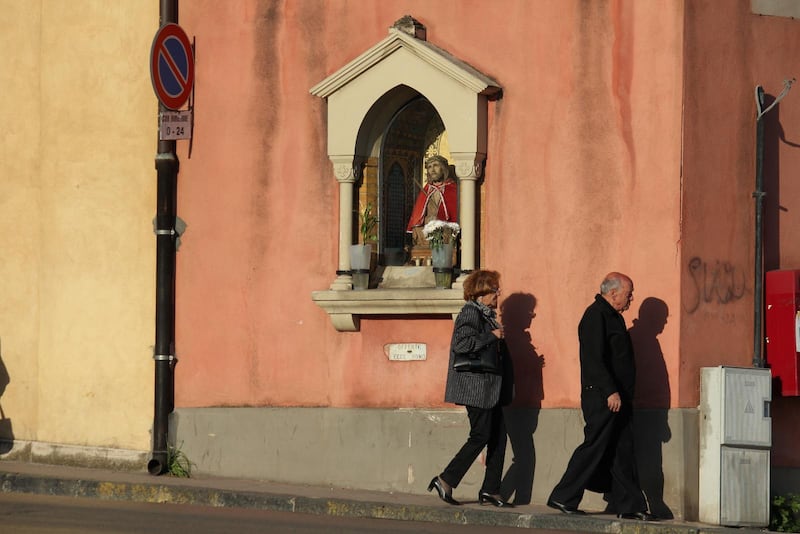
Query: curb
{"points": [[206, 496]]}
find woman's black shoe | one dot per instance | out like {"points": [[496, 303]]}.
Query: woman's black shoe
{"points": [[484, 498], [446, 497]]}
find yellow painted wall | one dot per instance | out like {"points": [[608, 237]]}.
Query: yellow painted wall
{"points": [[77, 196]]}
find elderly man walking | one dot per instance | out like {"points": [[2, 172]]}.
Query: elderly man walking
{"points": [[605, 461]]}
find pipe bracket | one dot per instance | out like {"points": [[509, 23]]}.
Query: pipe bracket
{"points": [[178, 230]]}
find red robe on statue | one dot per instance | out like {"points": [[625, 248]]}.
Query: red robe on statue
{"points": [[448, 210]]}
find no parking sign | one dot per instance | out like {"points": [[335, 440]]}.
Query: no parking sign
{"points": [[172, 66]]}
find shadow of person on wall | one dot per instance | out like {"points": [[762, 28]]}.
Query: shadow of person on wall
{"points": [[517, 313], [6, 434], [652, 401], [770, 175], [775, 143]]}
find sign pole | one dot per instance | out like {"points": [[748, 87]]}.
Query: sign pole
{"points": [[167, 166]]}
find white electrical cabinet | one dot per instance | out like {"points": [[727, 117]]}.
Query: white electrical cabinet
{"points": [[735, 441]]}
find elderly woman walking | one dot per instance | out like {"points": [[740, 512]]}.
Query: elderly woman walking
{"points": [[482, 393]]}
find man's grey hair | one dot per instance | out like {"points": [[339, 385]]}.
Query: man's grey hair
{"points": [[613, 282]]}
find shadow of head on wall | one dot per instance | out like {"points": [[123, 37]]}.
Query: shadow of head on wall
{"points": [[6, 434]]}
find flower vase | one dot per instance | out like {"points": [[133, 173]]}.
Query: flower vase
{"points": [[442, 259], [360, 256]]}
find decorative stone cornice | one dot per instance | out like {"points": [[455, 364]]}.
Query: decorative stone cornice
{"points": [[346, 307]]}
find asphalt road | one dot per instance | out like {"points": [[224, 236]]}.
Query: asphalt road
{"points": [[42, 514]]}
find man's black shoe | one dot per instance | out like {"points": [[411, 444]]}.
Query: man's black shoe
{"points": [[641, 516], [564, 508]]}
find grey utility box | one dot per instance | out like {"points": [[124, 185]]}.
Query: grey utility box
{"points": [[735, 441]]}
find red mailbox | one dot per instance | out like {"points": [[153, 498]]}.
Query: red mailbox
{"points": [[782, 289]]}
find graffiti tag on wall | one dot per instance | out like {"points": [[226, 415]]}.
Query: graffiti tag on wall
{"points": [[719, 282]]}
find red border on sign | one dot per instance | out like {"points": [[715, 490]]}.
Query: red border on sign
{"points": [[164, 33]]}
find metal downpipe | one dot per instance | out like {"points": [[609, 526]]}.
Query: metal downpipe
{"points": [[167, 167], [758, 195]]}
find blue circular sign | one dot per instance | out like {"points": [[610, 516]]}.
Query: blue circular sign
{"points": [[172, 66]]}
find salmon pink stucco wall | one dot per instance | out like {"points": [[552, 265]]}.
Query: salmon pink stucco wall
{"points": [[578, 182], [719, 178], [728, 53], [582, 177]]}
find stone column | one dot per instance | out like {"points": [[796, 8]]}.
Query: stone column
{"points": [[347, 170], [469, 166]]}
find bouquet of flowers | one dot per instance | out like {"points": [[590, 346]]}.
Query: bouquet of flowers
{"points": [[439, 232]]}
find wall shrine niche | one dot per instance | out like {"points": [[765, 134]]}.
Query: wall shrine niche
{"points": [[390, 109]]}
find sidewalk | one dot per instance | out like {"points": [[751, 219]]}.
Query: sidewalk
{"points": [[22, 477]]}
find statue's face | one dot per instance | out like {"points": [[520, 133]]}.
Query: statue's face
{"points": [[435, 171]]}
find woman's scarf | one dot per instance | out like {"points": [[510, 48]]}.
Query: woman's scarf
{"points": [[488, 313]]}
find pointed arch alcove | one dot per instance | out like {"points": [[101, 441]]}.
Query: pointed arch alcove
{"points": [[363, 97]]}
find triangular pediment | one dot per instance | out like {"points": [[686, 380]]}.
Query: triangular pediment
{"points": [[398, 39]]}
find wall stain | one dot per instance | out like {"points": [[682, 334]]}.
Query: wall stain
{"points": [[622, 75]]}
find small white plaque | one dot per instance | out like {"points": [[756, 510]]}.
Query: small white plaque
{"points": [[797, 332], [175, 125], [406, 351]]}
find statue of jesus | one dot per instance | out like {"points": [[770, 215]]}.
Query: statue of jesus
{"points": [[438, 199]]}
